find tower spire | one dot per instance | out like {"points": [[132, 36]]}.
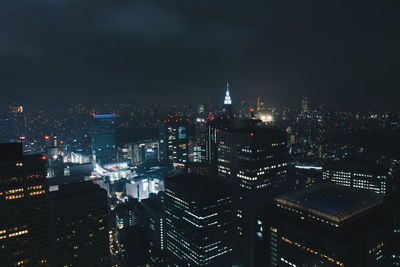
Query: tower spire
{"points": [[228, 100]]}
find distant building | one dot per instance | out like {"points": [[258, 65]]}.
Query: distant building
{"points": [[358, 174], [228, 109], [327, 225], [146, 151], [174, 140], [216, 124], [79, 225], [102, 133], [305, 105], [254, 162], [24, 232], [198, 221]]}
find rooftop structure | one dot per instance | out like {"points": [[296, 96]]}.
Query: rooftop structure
{"points": [[329, 203]]}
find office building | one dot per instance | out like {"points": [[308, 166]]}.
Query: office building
{"points": [[197, 221], [24, 232], [102, 133], [144, 152], [358, 174], [174, 140], [155, 228], [79, 225], [253, 161], [327, 225]]}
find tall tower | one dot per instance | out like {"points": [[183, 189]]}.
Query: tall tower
{"points": [[228, 100], [228, 103], [102, 133]]}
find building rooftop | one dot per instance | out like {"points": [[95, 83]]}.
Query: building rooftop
{"points": [[329, 203], [104, 116], [256, 130], [197, 187]]}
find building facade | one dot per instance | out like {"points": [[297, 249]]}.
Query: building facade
{"points": [[24, 231], [79, 225], [358, 174], [102, 133], [197, 221], [253, 161]]}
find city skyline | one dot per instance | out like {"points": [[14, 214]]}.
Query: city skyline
{"points": [[150, 133]]}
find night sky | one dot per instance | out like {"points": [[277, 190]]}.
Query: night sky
{"points": [[177, 51]]}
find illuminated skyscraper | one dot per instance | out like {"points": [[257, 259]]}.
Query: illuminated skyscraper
{"points": [[228, 102], [198, 221], [174, 140], [216, 124], [254, 161], [102, 133], [24, 231]]}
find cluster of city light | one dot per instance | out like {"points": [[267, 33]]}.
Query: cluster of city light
{"points": [[266, 117], [312, 251]]}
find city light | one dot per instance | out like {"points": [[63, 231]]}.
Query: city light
{"points": [[266, 118]]}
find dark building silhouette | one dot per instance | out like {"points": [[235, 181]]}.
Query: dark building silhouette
{"points": [[327, 225], [24, 230], [102, 133], [197, 221], [79, 225], [253, 161], [155, 228], [393, 219]]}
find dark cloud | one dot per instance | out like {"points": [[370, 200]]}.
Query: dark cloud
{"points": [[70, 51]]}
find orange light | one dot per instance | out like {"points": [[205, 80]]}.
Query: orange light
{"points": [[46, 137], [252, 109], [43, 157]]}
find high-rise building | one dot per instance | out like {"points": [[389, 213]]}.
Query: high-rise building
{"points": [[327, 225], [79, 225], [358, 174], [155, 222], [198, 221], [174, 140], [254, 161], [102, 133], [216, 124], [24, 232]]}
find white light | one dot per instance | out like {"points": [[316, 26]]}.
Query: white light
{"points": [[266, 118]]}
